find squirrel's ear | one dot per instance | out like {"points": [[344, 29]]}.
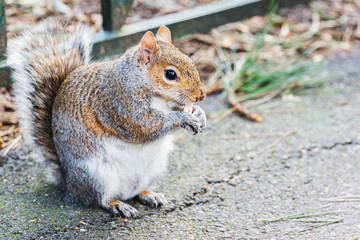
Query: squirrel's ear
{"points": [[147, 47], [164, 34]]}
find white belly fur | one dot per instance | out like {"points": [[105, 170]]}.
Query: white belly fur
{"points": [[124, 169]]}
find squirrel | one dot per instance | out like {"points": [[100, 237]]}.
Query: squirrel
{"points": [[108, 124]]}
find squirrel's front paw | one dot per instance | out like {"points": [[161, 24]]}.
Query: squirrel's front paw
{"points": [[200, 114], [190, 122], [152, 199], [120, 209]]}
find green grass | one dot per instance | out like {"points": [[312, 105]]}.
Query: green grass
{"points": [[248, 77], [300, 217]]}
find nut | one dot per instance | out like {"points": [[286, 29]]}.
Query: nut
{"points": [[188, 108]]}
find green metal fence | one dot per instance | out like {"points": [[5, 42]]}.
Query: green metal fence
{"points": [[4, 73], [116, 38]]}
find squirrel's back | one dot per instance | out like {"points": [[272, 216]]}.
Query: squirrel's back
{"points": [[41, 59]]}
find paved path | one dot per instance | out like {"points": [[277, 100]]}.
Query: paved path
{"points": [[219, 187]]}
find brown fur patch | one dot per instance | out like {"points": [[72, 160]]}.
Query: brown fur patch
{"points": [[189, 84], [95, 125], [114, 202], [146, 192]]}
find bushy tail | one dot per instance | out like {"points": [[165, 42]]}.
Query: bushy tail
{"points": [[41, 59]]}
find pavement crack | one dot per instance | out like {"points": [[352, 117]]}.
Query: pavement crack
{"points": [[236, 175], [301, 152], [196, 197], [341, 144]]}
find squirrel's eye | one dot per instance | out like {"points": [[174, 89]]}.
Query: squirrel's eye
{"points": [[170, 74]]}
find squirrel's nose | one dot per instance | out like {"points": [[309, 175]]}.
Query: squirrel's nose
{"points": [[201, 97]]}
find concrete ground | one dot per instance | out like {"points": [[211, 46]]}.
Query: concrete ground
{"points": [[220, 188]]}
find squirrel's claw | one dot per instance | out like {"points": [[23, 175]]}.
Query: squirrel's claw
{"points": [[194, 122], [196, 131], [200, 114], [152, 199], [190, 122], [120, 209]]}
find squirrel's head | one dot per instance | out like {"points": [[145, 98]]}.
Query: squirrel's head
{"points": [[173, 75]]}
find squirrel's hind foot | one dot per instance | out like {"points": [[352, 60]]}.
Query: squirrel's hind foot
{"points": [[120, 209], [152, 199]]}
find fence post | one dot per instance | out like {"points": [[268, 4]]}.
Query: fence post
{"points": [[4, 70], [114, 13], [2, 30]]}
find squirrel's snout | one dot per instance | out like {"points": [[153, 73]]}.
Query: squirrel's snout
{"points": [[201, 97]]}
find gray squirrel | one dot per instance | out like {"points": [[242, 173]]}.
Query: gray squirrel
{"points": [[109, 124]]}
